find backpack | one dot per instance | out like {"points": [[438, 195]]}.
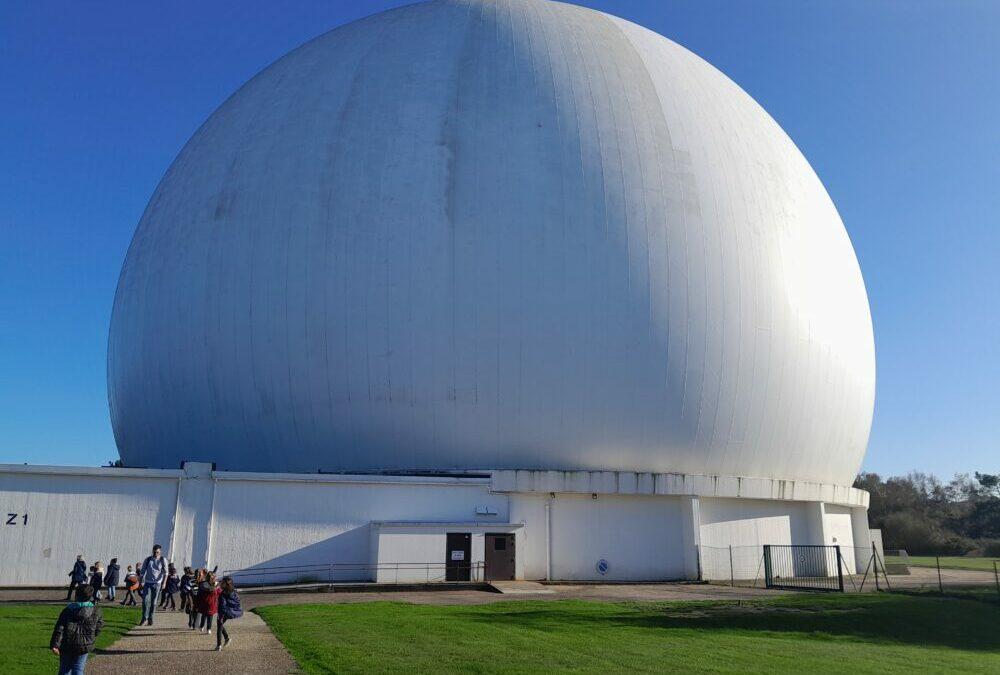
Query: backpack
{"points": [[233, 608]]}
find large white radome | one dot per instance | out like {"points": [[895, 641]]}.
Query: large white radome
{"points": [[483, 235]]}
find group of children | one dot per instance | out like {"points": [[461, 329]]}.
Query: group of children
{"points": [[204, 600], [108, 580]]}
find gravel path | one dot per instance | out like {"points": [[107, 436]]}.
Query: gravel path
{"points": [[170, 647]]}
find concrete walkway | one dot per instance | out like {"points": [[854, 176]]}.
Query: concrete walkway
{"points": [[169, 646]]}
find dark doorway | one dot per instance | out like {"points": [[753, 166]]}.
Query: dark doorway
{"points": [[500, 557], [458, 560]]}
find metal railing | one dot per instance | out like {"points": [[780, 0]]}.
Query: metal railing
{"points": [[385, 573]]}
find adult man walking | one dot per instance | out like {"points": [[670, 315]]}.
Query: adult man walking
{"points": [[153, 575], [77, 577]]}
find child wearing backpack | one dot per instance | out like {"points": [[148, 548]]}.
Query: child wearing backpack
{"points": [[131, 586], [187, 581], [172, 586], [229, 608], [193, 599]]}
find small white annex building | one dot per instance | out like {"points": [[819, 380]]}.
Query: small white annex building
{"points": [[511, 287]]}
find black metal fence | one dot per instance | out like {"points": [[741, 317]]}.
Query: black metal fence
{"points": [[805, 567], [861, 569]]}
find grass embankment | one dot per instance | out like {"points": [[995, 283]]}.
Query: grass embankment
{"points": [[802, 633], [947, 562], [25, 631]]}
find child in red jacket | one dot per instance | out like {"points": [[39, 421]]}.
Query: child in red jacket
{"points": [[208, 602]]}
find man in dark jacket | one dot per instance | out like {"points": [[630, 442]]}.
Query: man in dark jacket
{"points": [[77, 628], [77, 577]]}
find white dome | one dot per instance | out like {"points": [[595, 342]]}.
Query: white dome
{"points": [[487, 235]]}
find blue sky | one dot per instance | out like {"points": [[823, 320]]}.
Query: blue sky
{"points": [[896, 105]]}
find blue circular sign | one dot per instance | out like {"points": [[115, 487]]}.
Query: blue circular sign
{"points": [[602, 566]]}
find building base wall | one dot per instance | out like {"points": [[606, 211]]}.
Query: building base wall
{"points": [[277, 528]]}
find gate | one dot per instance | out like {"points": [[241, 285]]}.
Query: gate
{"points": [[803, 567]]}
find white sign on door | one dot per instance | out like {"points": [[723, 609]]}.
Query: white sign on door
{"points": [[458, 555]]}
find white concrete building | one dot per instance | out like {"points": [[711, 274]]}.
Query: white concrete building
{"points": [[553, 525], [515, 271]]}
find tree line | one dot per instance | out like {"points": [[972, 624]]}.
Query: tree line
{"points": [[924, 516]]}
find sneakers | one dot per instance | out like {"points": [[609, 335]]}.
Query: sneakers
{"points": [[209, 631], [218, 648], [142, 622]]}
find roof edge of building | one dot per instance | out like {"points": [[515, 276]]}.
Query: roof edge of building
{"points": [[681, 484], [512, 481]]}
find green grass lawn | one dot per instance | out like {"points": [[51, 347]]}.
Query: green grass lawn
{"points": [[949, 562], [802, 633], [25, 631]]}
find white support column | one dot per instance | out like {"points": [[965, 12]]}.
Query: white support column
{"points": [[191, 536], [691, 516], [818, 532], [862, 537], [817, 525], [548, 538]]}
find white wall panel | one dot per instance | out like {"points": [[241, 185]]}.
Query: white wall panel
{"points": [[747, 525], [839, 531], [530, 509], [99, 517], [641, 538]]}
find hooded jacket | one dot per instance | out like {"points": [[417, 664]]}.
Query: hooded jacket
{"points": [[111, 578], [77, 628], [230, 606], [208, 598], [79, 573]]}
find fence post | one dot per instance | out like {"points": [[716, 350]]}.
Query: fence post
{"points": [[840, 572], [940, 585], [768, 572], [732, 573], [875, 564], [996, 577]]}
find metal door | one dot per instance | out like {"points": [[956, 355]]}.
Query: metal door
{"points": [[500, 557], [458, 560]]}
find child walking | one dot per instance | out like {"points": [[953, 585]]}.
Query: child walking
{"points": [[171, 587], [131, 586], [208, 601], [193, 600], [111, 578], [77, 577], [97, 580], [75, 632], [229, 608], [187, 581]]}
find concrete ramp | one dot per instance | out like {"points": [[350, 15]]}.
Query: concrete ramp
{"points": [[521, 588]]}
